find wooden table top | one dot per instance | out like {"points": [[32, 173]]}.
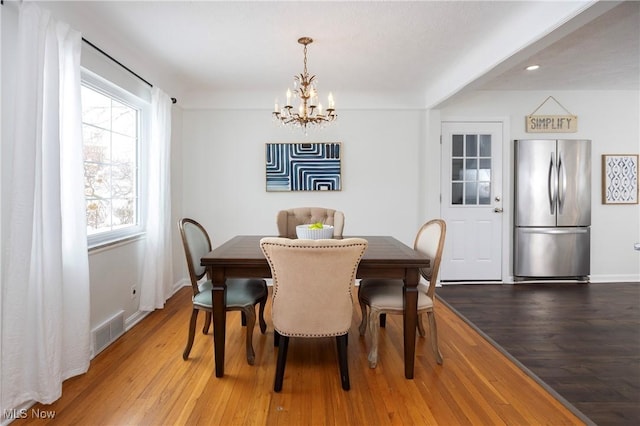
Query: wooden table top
{"points": [[381, 251]]}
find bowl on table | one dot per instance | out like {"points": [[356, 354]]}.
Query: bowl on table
{"points": [[305, 233]]}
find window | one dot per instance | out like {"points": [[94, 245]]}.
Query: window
{"points": [[113, 130]]}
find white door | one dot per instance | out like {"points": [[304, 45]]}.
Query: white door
{"points": [[472, 201]]}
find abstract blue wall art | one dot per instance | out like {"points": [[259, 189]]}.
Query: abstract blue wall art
{"points": [[303, 166]]}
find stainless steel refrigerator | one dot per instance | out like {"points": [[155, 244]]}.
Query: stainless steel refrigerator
{"points": [[552, 209]]}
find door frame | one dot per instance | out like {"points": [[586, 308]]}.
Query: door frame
{"points": [[507, 187]]}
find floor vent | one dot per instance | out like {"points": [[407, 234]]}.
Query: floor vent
{"points": [[107, 332]]}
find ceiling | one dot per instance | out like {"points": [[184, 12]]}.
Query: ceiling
{"points": [[429, 50]]}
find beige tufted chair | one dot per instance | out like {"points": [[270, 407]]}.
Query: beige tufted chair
{"points": [[242, 294], [312, 287], [384, 296], [287, 220]]}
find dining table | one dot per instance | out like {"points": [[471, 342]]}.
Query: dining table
{"points": [[385, 257]]}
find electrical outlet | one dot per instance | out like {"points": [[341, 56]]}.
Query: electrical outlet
{"points": [[134, 292]]}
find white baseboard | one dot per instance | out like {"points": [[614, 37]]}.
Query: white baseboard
{"points": [[615, 278], [607, 279]]}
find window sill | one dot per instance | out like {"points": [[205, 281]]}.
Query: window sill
{"points": [[119, 242]]}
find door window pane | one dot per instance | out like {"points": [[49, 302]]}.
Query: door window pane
{"points": [[484, 173], [457, 146], [471, 193], [457, 169], [484, 193], [471, 170], [485, 145], [472, 146], [456, 193]]}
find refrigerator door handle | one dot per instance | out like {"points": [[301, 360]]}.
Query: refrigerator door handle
{"points": [[555, 231], [553, 184], [562, 186]]}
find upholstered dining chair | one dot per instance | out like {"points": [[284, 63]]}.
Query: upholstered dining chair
{"points": [[385, 296], [242, 294], [287, 220], [312, 293]]}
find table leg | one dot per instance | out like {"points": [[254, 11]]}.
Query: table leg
{"points": [[219, 319], [410, 292]]}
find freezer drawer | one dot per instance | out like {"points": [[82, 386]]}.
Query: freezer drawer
{"points": [[552, 252]]}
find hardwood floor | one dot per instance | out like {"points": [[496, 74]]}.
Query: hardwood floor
{"points": [[142, 380], [583, 340]]}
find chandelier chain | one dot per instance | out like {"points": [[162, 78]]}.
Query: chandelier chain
{"points": [[305, 60]]}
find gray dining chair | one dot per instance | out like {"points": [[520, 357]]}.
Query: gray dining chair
{"points": [[312, 293], [242, 294], [385, 296]]}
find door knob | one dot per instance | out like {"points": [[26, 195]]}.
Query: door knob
{"points": [[498, 210]]}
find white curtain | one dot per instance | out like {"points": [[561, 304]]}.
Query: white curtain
{"points": [[157, 271], [45, 287]]}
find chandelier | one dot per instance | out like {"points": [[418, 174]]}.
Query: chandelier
{"points": [[309, 111]]}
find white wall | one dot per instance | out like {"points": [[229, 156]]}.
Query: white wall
{"points": [[224, 171], [611, 119]]}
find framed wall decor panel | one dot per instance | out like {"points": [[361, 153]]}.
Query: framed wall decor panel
{"points": [[619, 179], [303, 166]]}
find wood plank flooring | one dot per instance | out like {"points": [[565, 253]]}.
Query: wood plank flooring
{"points": [[583, 340], [142, 380]]}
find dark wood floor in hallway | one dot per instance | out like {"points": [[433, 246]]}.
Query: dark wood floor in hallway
{"points": [[582, 340]]}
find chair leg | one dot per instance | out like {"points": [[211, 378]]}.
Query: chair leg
{"points": [[374, 329], [282, 360], [207, 322], [343, 360], [363, 323], [263, 324], [421, 330], [383, 320], [250, 316], [243, 319], [434, 336], [276, 338], [192, 333]]}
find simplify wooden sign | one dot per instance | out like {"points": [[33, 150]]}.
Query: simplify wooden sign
{"points": [[551, 123]]}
